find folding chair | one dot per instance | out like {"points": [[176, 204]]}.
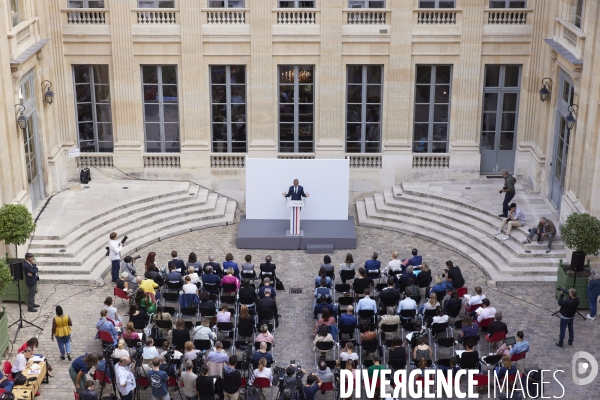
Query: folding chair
{"points": [[266, 316], [495, 338], [347, 275], [120, 293], [225, 328], [327, 387], [485, 323], [346, 330], [369, 347], [462, 291], [367, 315], [163, 326], [106, 338], [169, 297], [396, 364], [263, 383], [189, 312], [324, 348], [438, 328], [374, 275], [388, 329], [170, 310], [407, 315], [474, 338], [428, 316], [202, 344], [518, 356], [444, 343]]}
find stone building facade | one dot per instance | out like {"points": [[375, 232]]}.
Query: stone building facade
{"points": [[405, 89]]}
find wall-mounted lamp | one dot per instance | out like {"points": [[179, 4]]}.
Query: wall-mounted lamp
{"points": [[544, 92], [22, 121], [569, 119], [48, 94]]}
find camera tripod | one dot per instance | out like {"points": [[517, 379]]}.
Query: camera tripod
{"points": [[21, 320], [578, 313]]}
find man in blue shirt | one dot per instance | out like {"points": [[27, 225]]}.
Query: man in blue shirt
{"points": [[158, 380], [209, 277], [107, 326], [414, 261], [322, 304], [407, 304], [174, 277], [313, 383], [366, 303], [267, 284], [348, 319], [373, 264], [521, 345]]}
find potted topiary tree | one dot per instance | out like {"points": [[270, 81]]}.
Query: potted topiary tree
{"points": [[16, 227], [5, 280], [581, 233]]}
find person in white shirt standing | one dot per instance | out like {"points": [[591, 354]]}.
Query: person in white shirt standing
{"points": [[125, 378], [114, 254], [516, 217]]}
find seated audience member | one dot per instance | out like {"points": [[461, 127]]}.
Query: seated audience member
{"points": [[322, 336], [454, 278], [179, 264], [412, 287], [373, 264], [369, 333], [20, 363], [323, 290], [348, 264], [194, 277], [470, 352], [324, 373], [174, 277], [321, 305], [229, 263], [267, 284], [247, 292], [389, 319], [207, 304], [424, 278], [439, 286], [453, 302], [264, 335], [376, 365], [268, 304], [497, 325], [440, 317], [176, 353], [366, 303], [224, 315], [180, 332], [113, 313], [389, 295], [421, 331], [507, 367], [248, 267], [120, 351], [189, 287], [130, 333], [124, 284], [397, 349], [454, 368], [361, 282], [486, 311], [323, 275], [88, 393], [216, 267], [475, 299], [327, 266], [407, 304], [262, 353], [394, 265], [210, 277], [326, 319], [415, 260], [521, 345], [348, 318], [245, 322], [267, 268], [230, 280], [431, 304], [153, 274], [347, 353], [262, 371], [138, 316], [150, 350], [106, 326], [406, 275], [146, 296], [190, 353], [469, 328], [194, 263], [203, 331], [218, 354], [422, 350], [128, 268], [163, 316], [420, 367]]}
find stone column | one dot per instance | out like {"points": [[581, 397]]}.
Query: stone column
{"points": [[263, 134], [397, 129], [193, 94], [127, 118], [466, 98], [330, 130]]}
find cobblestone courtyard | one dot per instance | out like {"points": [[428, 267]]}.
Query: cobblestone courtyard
{"points": [[524, 308]]}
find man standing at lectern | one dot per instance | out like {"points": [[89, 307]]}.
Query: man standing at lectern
{"points": [[296, 192]]}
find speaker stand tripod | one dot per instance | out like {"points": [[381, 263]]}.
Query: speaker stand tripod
{"points": [[578, 313], [21, 320]]}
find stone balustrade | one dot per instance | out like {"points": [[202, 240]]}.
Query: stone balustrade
{"points": [[228, 161], [226, 17], [157, 16], [366, 17], [162, 161], [506, 17], [570, 36], [296, 156], [98, 160], [364, 160], [85, 16], [296, 17], [431, 161], [436, 17]]}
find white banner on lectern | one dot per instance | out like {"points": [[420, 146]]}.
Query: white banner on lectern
{"points": [[327, 182]]}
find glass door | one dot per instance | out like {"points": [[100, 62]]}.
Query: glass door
{"points": [[31, 141]]}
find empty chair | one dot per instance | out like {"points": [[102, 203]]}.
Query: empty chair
{"points": [[444, 343]]}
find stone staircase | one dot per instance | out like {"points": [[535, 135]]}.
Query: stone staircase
{"points": [[466, 227], [70, 245]]}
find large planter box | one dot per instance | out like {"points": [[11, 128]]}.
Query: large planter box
{"points": [[565, 279], [11, 292], [3, 333]]}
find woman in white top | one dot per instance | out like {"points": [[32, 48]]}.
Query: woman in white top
{"points": [[189, 287], [194, 278], [394, 265], [432, 304], [262, 371], [224, 315], [113, 314], [120, 351], [348, 264], [440, 318]]}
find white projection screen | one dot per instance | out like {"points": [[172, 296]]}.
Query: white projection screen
{"points": [[327, 182]]}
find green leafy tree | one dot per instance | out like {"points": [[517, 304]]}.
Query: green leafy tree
{"points": [[16, 224], [5, 277], [581, 232]]}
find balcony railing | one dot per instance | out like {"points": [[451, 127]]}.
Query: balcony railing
{"points": [[228, 161], [570, 36], [158, 16], [431, 161], [22, 36], [506, 17], [296, 17], [364, 161], [162, 161], [436, 17], [366, 17], [222, 16], [85, 16], [296, 156], [98, 160]]}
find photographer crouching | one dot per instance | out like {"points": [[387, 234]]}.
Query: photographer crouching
{"points": [[290, 379], [568, 308]]}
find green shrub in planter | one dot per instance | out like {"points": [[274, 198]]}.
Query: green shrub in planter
{"points": [[16, 224], [5, 276], [581, 232]]}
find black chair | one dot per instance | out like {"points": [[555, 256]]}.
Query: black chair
{"points": [[407, 314], [163, 325], [189, 311], [169, 310], [229, 288], [367, 315], [469, 361], [202, 344], [207, 312], [212, 288], [249, 275], [179, 343], [174, 287], [345, 301], [380, 286], [389, 329], [347, 274], [330, 274], [454, 311], [133, 343], [437, 328], [440, 295], [374, 274], [416, 298], [369, 346], [346, 330], [397, 363], [444, 343], [224, 327], [342, 288], [428, 316], [171, 297], [266, 316], [323, 348]]}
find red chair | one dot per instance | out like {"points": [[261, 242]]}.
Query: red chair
{"points": [[519, 356], [480, 380], [327, 387], [513, 377], [496, 338], [100, 376], [142, 381], [462, 291], [263, 383], [76, 395], [120, 293], [105, 337], [2, 391], [8, 370], [485, 323], [472, 308]]}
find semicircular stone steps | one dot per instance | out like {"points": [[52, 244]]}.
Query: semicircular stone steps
{"points": [[75, 250], [467, 229]]}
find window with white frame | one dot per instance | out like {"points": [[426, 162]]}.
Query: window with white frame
{"points": [[93, 108], [16, 8], [161, 108], [363, 108], [366, 3], [156, 3], [226, 3], [228, 104], [578, 15], [86, 4], [432, 108], [437, 4], [296, 108], [297, 4], [508, 3]]}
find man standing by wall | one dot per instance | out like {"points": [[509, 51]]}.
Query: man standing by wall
{"points": [[31, 277], [509, 192]]}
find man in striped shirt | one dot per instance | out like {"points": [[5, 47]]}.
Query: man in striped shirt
{"points": [[515, 218]]}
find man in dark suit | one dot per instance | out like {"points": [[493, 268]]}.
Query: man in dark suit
{"points": [[174, 278], [296, 192], [268, 303], [389, 296], [215, 266], [373, 264], [30, 270], [179, 264], [267, 269]]}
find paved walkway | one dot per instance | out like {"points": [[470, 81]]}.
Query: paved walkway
{"points": [[526, 308]]}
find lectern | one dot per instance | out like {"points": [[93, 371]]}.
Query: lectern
{"points": [[294, 206]]}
